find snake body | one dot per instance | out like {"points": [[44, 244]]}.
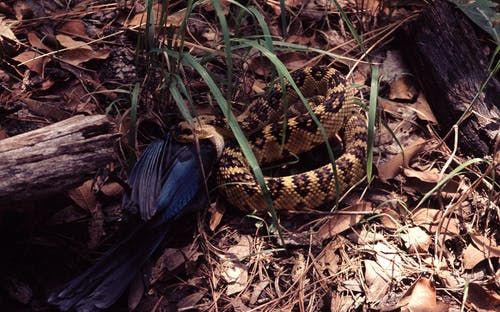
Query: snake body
{"points": [[332, 101]]}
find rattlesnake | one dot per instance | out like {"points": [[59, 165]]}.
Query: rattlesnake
{"points": [[332, 101]]}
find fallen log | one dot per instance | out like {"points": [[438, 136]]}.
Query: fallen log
{"points": [[449, 61], [54, 158]]}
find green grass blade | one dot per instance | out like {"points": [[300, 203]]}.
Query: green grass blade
{"points": [[372, 114], [350, 26], [182, 29], [164, 12], [183, 89], [282, 70], [266, 33], [268, 39], [283, 17], [150, 25], [300, 47], [238, 134], [227, 47], [179, 101], [447, 178], [132, 135]]}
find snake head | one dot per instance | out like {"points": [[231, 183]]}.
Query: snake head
{"points": [[198, 129]]}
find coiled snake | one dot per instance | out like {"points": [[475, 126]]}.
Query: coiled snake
{"points": [[332, 102]]}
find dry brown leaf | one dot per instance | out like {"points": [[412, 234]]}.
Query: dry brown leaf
{"points": [[429, 176], [329, 260], [257, 290], [69, 214], [96, 226], [113, 190], [236, 275], [366, 236], [341, 222], [171, 259], [70, 43], [472, 256], [77, 96], [420, 107], [372, 6], [5, 30], [260, 65], [299, 267], [389, 260], [390, 218], [341, 303], [424, 111], [421, 297], [301, 39], [392, 167], [417, 186], [47, 84], [26, 9], [390, 106], [46, 109], [487, 246], [242, 249], [416, 239], [74, 28], [259, 86], [353, 285], [275, 5], [429, 219], [232, 270], [78, 56], [224, 4], [28, 59], [294, 60], [360, 76], [139, 20], [293, 3], [238, 305], [450, 280], [481, 249], [401, 89], [376, 281], [36, 42], [83, 196], [387, 267], [190, 300], [483, 300]]}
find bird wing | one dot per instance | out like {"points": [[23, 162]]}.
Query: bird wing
{"points": [[186, 177], [165, 182]]}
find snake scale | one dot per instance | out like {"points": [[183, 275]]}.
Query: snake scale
{"points": [[332, 101]]}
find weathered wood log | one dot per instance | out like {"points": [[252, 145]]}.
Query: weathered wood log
{"points": [[449, 61], [54, 158]]}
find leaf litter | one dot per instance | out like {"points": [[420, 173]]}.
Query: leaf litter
{"points": [[381, 251]]}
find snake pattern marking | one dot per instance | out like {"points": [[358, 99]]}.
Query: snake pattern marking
{"points": [[332, 101]]}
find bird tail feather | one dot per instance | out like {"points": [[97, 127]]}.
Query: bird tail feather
{"points": [[104, 282]]}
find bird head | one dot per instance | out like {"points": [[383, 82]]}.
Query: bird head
{"points": [[200, 129]]}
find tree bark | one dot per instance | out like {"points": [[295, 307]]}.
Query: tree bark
{"points": [[55, 158], [450, 63]]}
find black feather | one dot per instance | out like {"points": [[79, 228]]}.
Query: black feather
{"points": [[165, 183]]}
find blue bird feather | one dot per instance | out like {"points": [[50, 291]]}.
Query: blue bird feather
{"points": [[167, 181]]}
